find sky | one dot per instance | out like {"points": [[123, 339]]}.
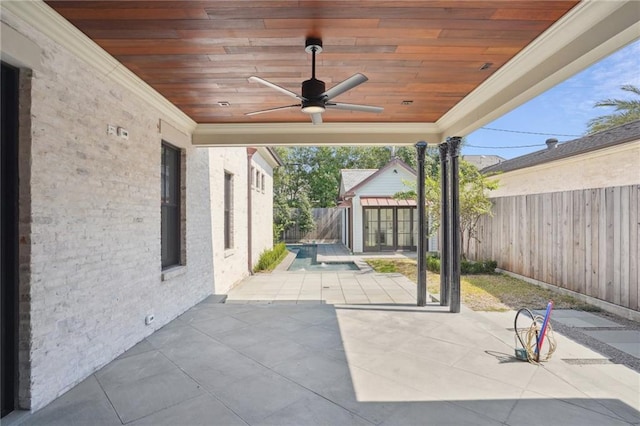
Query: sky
{"points": [[562, 110]]}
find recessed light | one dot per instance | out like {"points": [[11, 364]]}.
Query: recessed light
{"points": [[486, 66], [224, 103], [406, 102]]}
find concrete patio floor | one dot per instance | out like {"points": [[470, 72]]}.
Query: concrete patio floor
{"points": [[356, 353]]}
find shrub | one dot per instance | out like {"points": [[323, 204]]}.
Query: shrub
{"points": [[466, 267], [269, 259], [433, 264], [483, 267]]}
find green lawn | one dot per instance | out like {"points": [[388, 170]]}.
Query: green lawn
{"points": [[496, 292]]}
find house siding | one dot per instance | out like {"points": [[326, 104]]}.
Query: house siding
{"points": [[90, 231], [615, 166]]}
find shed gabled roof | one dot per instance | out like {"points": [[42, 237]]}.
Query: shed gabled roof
{"points": [[607, 138], [367, 175], [351, 177]]}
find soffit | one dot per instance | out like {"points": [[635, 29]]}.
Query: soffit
{"points": [[198, 53]]}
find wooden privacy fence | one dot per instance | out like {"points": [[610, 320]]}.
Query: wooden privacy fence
{"points": [[585, 240], [328, 226]]}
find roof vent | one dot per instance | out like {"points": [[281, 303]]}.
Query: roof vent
{"points": [[551, 143]]}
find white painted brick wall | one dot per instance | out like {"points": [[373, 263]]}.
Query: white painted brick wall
{"points": [[230, 265], [262, 210], [95, 268]]}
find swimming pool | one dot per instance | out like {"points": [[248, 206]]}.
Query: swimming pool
{"points": [[307, 260]]}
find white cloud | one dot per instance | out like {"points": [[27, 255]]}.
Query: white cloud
{"points": [[604, 79], [566, 108]]}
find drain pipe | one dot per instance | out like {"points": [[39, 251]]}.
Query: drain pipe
{"points": [[250, 152]]}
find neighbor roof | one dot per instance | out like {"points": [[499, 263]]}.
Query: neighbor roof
{"points": [[615, 136], [482, 161]]}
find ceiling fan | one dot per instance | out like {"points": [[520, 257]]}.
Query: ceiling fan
{"points": [[315, 99]]}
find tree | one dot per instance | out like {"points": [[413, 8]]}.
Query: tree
{"points": [[282, 220], [304, 216], [474, 201], [316, 170], [627, 110], [473, 197]]}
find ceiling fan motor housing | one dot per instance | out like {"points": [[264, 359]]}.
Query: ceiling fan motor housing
{"points": [[312, 89], [313, 44]]}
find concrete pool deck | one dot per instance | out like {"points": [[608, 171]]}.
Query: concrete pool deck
{"points": [[345, 348], [333, 287], [311, 364]]}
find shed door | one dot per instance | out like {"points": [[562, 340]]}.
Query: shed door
{"points": [[378, 229]]}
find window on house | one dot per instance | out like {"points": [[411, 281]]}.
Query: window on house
{"points": [[257, 179], [262, 183], [228, 210], [171, 234], [253, 177]]}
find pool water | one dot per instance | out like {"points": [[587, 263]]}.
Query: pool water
{"points": [[307, 260]]}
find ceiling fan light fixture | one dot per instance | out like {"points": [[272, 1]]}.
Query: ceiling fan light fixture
{"points": [[313, 107]]}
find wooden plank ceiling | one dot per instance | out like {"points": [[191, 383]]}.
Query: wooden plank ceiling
{"points": [[200, 53]]}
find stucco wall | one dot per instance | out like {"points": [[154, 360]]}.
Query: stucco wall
{"points": [[615, 166], [93, 230]]}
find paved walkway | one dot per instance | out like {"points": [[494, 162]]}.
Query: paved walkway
{"points": [[326, 287], [275, 355]]}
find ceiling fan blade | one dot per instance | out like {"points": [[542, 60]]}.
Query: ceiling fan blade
{"points": [[272, 109], [353, 107], [280, 89], [316, 118], [348, 84]]}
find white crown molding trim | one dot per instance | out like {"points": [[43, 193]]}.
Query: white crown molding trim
{"points": [[590, 31], [18, 50], [48, 22], [266, 154], [288, 134]]}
